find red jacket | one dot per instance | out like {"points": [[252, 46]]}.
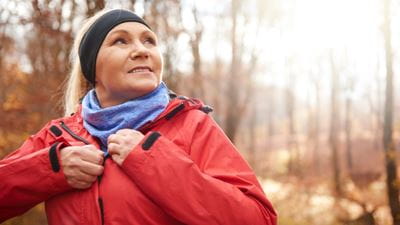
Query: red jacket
{"points": [[185, 171]]}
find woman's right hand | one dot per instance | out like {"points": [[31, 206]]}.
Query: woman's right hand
{"points": [[81, 165]]}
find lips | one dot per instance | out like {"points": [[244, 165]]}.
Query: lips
{"points": [[140, 69]]}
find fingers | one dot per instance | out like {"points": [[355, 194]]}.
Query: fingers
{"points": [[123, 133], [113, 138], [84, 177], [117, 158], [91, 168], [89, 153], [79, 184], [113, 149], [127, 132], [81, 165], [124, 136]]}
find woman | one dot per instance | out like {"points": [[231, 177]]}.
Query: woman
{"points": [[133, 153]]}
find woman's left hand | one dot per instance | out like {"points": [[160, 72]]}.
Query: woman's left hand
{"points": [[121, 144]]}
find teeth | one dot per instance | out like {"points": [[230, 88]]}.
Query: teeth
{"points": [[139, 70]]}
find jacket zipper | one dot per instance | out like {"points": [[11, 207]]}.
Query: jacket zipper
{"points": [[77, 137], [101, 210], [69, 131], [101, 203]]}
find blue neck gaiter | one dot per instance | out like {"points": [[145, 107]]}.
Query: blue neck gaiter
{"points": [[102, 122]]}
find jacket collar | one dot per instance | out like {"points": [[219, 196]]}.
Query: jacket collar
{"points": [[176, 106]]}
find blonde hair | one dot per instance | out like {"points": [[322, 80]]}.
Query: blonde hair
{"points": [[76, 85]]}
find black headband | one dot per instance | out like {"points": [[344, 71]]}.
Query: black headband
{"points": [[94, 37]]}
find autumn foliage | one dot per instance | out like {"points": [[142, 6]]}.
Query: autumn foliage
{"points": [[318, 150]]}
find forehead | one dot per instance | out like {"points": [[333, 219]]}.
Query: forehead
{"points": [[130, 27]]}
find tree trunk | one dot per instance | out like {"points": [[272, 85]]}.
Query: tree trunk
{"points": [[270, 118], [197, 88], [292, 140], [348, 132], [317, 126], [334, 127], [314, 122], [252, 137], [239, 83], [231, 122], [388, 144]]}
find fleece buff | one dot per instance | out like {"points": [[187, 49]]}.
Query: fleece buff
{"points": [[102, 122]]}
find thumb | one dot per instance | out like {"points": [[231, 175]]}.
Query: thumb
{"points": [[113, 149], [115, 157]]}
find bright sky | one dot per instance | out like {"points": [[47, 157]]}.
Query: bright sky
{"points": [[314, 27], [306, 31]]}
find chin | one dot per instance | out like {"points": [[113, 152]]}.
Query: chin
{"points": [[149, 86], [145, 87]]}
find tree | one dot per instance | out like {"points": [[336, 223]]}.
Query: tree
{"points": [[348, 121], [195, 38], [290, 101], [392, 182], [334, 126], [314, 119], [165, 18], [240, 78]]}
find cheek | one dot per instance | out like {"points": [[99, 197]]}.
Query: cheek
{"points": [[107, 66], [159, 62], [100, 66]]}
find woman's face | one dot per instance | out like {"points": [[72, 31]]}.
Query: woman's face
{"points": [[128, 64]]}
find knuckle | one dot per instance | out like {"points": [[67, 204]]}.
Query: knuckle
{"points": [[126, 139], [137, 133], [82, 177], [124, 131], [84, 149], [112, 147], [73, 183], [91, 147], [92, 179], [100, 170], [69, 178], [80, 186], [74, 153], [74, 162]]}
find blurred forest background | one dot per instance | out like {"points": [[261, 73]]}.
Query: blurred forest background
{"points": [[305, 88]]}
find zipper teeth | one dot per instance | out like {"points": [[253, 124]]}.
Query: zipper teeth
{"points": [[69, 131]]}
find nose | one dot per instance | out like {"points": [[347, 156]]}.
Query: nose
{"points": [[139, 51]]}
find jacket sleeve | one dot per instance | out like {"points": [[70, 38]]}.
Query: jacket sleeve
{"points": [[28, 177], [209, 184]]}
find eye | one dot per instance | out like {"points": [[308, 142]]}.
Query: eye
{"points": [[150, 41], [119, 41]]}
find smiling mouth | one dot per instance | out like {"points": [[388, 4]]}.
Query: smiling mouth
{"points": [[140, 69]]}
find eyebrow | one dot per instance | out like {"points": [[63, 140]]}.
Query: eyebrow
{"points": [[118, 31], [126, 32]]}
